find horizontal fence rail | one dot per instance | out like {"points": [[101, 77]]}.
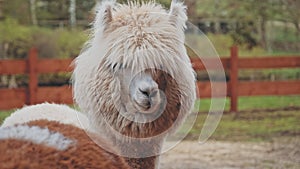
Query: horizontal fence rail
{"points": [[33, 94]]}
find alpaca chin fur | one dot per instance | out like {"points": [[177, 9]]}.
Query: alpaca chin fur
{"points": [[139, 37]]}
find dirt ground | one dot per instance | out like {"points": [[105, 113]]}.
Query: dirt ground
{"points": [[281, 153]]}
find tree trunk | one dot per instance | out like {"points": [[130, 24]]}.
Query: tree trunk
{"points": [[263, 36], [296, 23], [1, 9], [72, 11], [33, 12]]}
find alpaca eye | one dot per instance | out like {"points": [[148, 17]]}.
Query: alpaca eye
{"points": [[117, 66], [114, 66]]}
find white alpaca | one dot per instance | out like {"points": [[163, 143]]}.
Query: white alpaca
{"points": [[47, 111], [134, 80]]}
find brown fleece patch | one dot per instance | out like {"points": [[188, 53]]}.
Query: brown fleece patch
{"points": [[84, 154]]}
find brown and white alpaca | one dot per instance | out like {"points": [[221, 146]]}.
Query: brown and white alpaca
{"points": [[134, 79], [50, 144]]}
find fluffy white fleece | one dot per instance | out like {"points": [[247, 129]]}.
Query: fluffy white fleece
{"points": [[36, 135], [47, 111]]}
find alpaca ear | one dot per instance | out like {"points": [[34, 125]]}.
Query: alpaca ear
{"points": [[178, 16], [104, 13]]}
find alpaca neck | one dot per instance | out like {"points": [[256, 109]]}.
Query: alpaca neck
{"points": [[146, 151], [143, 163], [142, 150]]}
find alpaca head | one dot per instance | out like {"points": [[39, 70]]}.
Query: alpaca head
{"points": [[134, 75]]}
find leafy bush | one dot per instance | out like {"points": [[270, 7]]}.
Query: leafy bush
{"points": [[45, 42], [69, 42], [16, 40]]}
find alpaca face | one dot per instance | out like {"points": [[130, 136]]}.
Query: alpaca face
{"points": [[143, 91], [141, 95]]}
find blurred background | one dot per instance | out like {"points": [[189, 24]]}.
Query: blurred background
{"points": [[265, 128], [261, 27], [59, 28]]}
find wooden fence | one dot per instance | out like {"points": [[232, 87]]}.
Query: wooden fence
{"points": [[33, 94]]}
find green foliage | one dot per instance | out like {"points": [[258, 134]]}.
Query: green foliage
{"points": [[222, 44], [284, 34], [17, 9], [11, 30], [58, 43], [70, 42], [211, 9], [249, 18], [16, 37], [4, 114], [45, 9], [59, 9]]}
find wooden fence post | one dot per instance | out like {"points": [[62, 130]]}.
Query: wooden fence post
{"points": [[233, 79], [33, 76]]}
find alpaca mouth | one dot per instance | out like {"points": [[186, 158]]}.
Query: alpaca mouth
{"points": [[147, 107], [142, 113], [143, 107]]}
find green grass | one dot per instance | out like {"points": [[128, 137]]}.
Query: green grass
{"points": [[4, 114], [249, 126], [260, 119], [256, 103], [268, 102]]}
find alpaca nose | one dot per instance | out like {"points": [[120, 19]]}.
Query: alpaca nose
{"points": [[149, 92], [151, 96], [145, 93]]}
